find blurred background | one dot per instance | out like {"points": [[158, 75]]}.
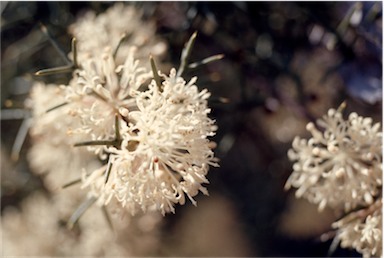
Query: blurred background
{"points": [[285, 64]]}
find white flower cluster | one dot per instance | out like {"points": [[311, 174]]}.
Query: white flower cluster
{"points": [[341, 167], [150, 129], [38, 229], [52, 153], [363, 233], [164, 152], [95, 33]]}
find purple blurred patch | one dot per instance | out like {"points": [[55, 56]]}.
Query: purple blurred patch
{"points": [[363, 81]]}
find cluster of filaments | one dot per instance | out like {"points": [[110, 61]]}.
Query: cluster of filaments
{"points": [[150, 130], [155, 141], [340, 167]]}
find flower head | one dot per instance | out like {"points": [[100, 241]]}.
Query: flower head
{"points": [[164, 153], [340, 166], [152, 135]]}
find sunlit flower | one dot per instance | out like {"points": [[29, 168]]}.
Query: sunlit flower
{"points": [[341, 166], [152, 135], [164, 154]]}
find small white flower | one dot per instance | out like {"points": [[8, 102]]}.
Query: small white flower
{"points": [[340, 167]]}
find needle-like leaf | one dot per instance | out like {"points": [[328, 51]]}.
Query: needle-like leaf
{"points": [[206, 61], [56, 107], [96, 143], [108, 217], [76, 181], [123, 38], [155, 72], [108, 171], [185, 54], [84, 206], [20, 138]]}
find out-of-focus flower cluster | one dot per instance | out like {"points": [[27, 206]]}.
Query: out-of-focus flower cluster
{"points": [[39, 228], [97, 33], [340, 167]]}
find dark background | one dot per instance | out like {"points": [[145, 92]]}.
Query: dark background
{"points": [[276, 75]]}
